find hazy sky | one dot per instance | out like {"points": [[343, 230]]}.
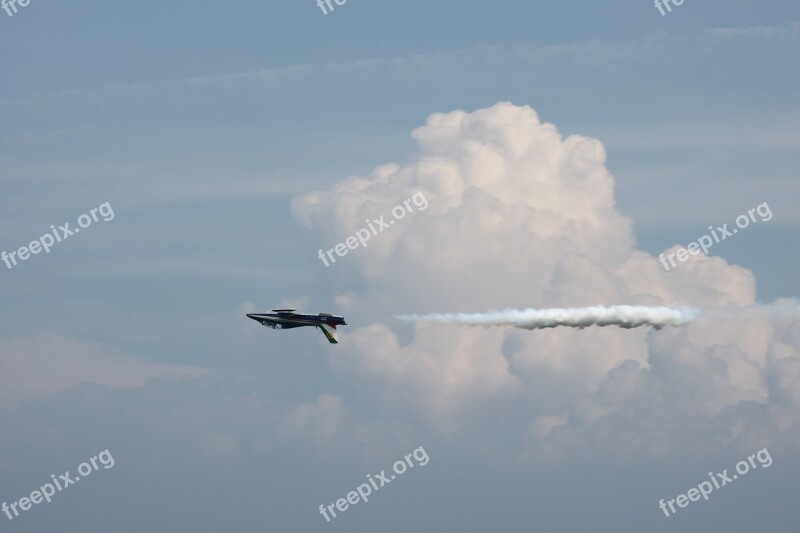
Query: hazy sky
{"points": [[560, 147]]}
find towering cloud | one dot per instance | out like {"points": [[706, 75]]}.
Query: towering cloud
{"points": [[521, 216]]}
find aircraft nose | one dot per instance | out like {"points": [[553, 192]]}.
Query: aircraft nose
{"points": [[252, 316]]}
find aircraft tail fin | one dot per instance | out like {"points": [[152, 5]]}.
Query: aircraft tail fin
{"points": [[330, 332]]}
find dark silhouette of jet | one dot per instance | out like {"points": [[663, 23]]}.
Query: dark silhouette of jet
{"points": [[288, 319]]}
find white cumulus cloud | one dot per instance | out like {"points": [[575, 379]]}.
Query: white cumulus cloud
{"points": [[520, 216]]}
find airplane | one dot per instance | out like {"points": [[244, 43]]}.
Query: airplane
{"points": [[288, 319]]}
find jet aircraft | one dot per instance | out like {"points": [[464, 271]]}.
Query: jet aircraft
{"points": [[288, 319]]}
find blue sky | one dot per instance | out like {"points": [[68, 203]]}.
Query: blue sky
{"points": [[208, 127]]}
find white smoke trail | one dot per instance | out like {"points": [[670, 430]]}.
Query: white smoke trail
{"points": [[624, 316]]}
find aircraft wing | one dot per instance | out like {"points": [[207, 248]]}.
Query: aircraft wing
{"points": [[330, 332]]}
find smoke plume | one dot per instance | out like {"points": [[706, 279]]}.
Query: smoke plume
{"points": [[624, 316]]}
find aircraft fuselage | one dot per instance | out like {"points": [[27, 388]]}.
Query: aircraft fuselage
{"points": [[288, 319]]}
